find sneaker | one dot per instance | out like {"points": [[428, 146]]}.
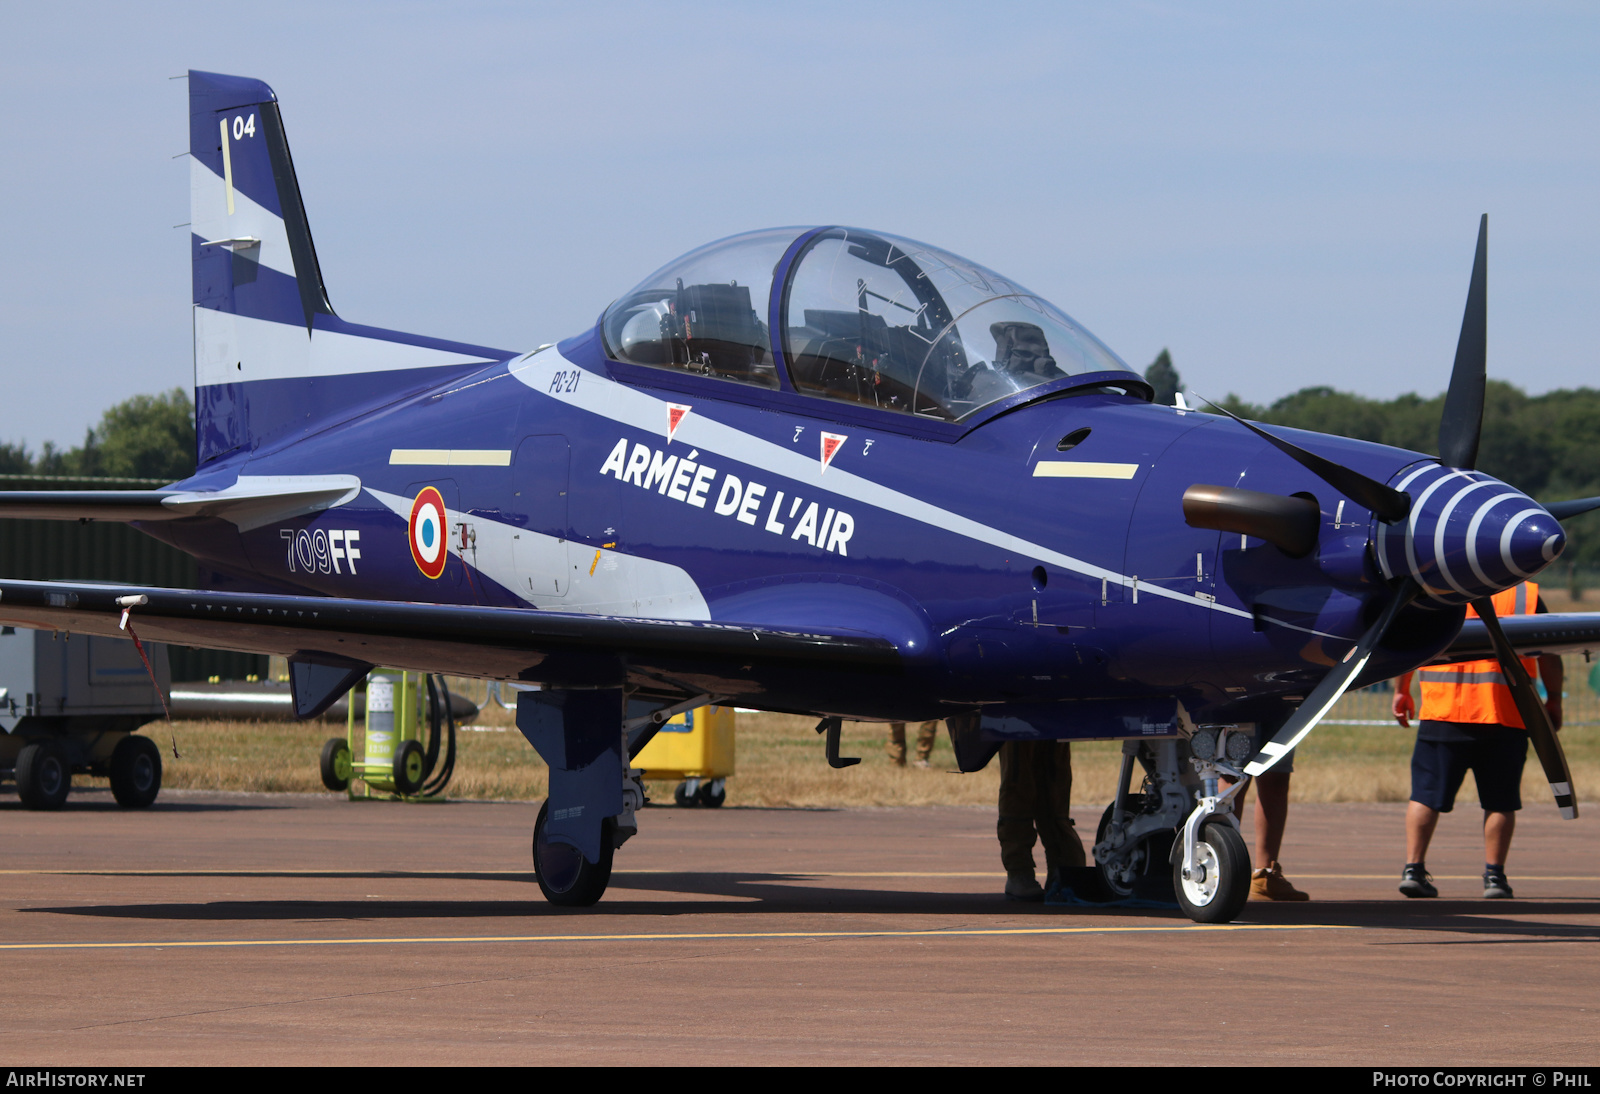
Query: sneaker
{"points": [[1495, 885], [1023, 887], [921, 763], [1268, 883], [1415, 881]]}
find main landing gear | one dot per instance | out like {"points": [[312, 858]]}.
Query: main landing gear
{"points": [[589, 737], [1175, 838]]}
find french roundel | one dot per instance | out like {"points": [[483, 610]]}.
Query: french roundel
{"points": [[427, 533]]}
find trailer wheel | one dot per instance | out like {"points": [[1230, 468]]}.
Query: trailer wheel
{"points": [[409, 763], [135, 772], [335, 764], [712, 794], [43, 775], [567, 878], [682, 797]]}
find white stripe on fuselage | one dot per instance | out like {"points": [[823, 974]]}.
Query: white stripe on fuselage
{"points": [[629, 406], [604, 582]]}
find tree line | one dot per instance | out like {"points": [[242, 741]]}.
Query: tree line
{"points": [[145, 437]]}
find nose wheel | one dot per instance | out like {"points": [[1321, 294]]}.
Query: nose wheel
{"points": [[1214, 888]]}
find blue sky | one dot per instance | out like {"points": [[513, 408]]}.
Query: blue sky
{"points": [[1284, 195]]}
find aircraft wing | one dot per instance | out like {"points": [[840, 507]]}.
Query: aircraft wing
{"points": [[1548, 632], [664, 656]]}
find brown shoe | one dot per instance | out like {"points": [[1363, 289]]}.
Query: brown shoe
{"points": [[1268, 883]]}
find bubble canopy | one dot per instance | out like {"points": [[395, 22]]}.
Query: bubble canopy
{"points": [[867, 318]]}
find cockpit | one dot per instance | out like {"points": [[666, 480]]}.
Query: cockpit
{"points": [[862, 317]]}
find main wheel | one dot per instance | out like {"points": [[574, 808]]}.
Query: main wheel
{"points": [[135, 772], [43, 775], [565, 876], [712, 795], [1148, 860], [408, 765], [1220, 883], [336, 769]]}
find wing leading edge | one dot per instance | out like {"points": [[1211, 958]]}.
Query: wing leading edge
{"points": [[551, 648], [1549, 632]]}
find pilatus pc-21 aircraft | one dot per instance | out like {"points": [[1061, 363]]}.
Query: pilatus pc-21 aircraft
{"points": [[824, 471]]}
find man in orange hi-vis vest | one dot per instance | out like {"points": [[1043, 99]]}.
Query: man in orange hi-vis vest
{"points": [[1470, 722]]}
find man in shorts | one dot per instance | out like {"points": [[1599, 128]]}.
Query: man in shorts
{"points": [[1470, 722], [1272, 817]]}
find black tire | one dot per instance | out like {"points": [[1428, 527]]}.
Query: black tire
{"points": [[335, 764], [1221, 894], [566, 878], [410, 767], [44, 777], [682, 796], [1149, 862], [135, 772], [711, 795]]}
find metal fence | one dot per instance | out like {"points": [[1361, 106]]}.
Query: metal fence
{"points": [[46, 550]]}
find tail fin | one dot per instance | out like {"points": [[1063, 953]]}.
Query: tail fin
{"points": [[272, 360]]}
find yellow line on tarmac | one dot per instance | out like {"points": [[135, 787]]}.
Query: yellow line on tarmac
{"points": [[960, 932], [222, 871], [1449, 877], [527, 872]]}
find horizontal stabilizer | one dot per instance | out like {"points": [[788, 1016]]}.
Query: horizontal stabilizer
{"points": [[252, 501]]}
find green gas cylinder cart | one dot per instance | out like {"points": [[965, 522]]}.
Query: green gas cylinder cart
{"points": [[387, 739]]}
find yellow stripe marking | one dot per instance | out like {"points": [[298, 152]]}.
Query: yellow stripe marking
{"points": [[450, 457], [595, 563], [222, 871], [706, 936], [1080, 469], [227, 166]]}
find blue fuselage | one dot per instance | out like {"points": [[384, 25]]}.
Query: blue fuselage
{"points": [[1006, 571]]}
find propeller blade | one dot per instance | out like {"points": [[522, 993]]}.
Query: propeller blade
{"points": [[1390, 505], [1561, 510], [1462, 420], [1534, 717], [1333, 685], [1292, 523]]}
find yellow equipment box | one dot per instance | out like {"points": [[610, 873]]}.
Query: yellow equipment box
{"points": [[696, 747]]}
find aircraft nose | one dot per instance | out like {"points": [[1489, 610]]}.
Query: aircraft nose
{"points": [[1468, 535]]}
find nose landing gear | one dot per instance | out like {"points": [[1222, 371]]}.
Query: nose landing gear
{"points": [[1175, 839]]}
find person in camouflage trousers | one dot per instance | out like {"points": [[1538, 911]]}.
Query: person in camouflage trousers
{"points": [[896, 748], [1035, 797]]}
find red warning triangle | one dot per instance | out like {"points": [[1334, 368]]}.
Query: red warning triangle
{"points": [[830, 445], [675, 414]]}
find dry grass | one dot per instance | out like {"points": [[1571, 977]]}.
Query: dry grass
{"points": [[780, 764], [780, 760]]}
